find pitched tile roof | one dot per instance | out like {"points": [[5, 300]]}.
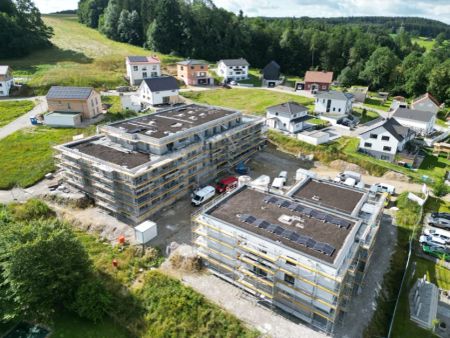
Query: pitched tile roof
{"points": [[143, 59], [425, 96], [159, 84], [192, 62], [235, 62], [319, 76], [398, 131], [77, 93], [287, 107], [413, 115], [334, 95]]}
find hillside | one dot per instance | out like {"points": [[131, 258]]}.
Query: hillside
{"points": [[79, 56]]}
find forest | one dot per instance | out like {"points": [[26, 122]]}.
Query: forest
{"points": [[21, 28], [374, 51]]}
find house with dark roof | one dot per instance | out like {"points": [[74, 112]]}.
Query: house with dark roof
{"points": [[426, 102], [68, 106], [142, 67], [158, 90], [6, 80], [271, 75], [384, 139], [287, 117], [233, 69], [421, 121], [333, 103], [194, 72], [315, 81]]}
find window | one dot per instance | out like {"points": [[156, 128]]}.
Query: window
{"points": [[334, 109], [182, 68], [276, 114], [368, 145], [68, 106], [192, 67], [386, 148], [135, 68], [144, 68], [385, 138], [289, 279], [375, 136], [323, 101], [202, 67], [289, 263], [259, 271], [144, 75], [339, 110]]}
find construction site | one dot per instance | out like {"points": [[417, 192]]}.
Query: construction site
{"points": [[136, 167], [305, 251]]}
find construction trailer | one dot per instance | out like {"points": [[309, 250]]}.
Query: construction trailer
{"points": [[305, 252], [138, 166]]}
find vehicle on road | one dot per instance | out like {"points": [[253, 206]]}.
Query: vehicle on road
{"points": [[201, 196], [226, 184]]}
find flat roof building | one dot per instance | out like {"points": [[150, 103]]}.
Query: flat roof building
{"points": [[303, 252], [135, 167]]}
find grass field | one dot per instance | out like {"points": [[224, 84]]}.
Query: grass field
{"points": [[10, 110], [370, 115], [378, 104], [80, 56], [252, 101], [27, 154]]}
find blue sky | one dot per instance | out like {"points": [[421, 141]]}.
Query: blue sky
{"points": [[433, 9]]}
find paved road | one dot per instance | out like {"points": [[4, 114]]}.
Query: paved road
{"points": [[24, 120]]}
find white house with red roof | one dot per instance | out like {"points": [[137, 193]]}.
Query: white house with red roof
{"points": [[426, 102], [142, 67]]}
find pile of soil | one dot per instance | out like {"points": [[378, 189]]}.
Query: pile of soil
{"points": [[343, 166], [185, 258], [395, 176]]}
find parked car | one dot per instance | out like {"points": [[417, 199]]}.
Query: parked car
{"points": [[432, 241], [439, 220], [436, 252], [203, 195], [440, 215], [233, 83], [442, 234], [226, 184]]}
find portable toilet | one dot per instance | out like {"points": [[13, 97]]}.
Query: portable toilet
{"points": [[145, 232]]}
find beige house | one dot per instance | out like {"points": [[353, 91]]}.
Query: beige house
{"points": [[6, 80], [83, 100]]}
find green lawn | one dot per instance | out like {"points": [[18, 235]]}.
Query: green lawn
{"points": [[378, 104], [27, 154], [424, 42], [10, 110], [318, 122], [252, 101], [81, 56], [370, 115], [254, 78]]}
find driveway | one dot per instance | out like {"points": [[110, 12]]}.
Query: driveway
{"points": [[24, 120]]}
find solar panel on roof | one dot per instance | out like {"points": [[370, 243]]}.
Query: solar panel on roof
{"points": [[307, 211], [306, 241], [325, 248], [299, 208], [270, 199], [293, 206], [278, 230], [319, 215], [247, 218], [310, 243], [294, 237], [287, 233], [271, 227], [261, 223], [285, 204]]}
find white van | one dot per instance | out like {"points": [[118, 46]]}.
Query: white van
{"points": [[383, 187], [203, 195]]}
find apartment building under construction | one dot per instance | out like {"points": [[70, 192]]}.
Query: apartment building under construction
{"points": [[305, 252], [135, 167]]}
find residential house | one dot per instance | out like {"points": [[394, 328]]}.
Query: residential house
{"points": [[384, 139], [142, 67], [288, 117], [426, 102], [194, 73], [359, 93], [233, 69], [424, 303], [68, 106], [398, 102], [6, 80], [422, 122], [333, 103], [317, 81], [158, 90], [271, 75]]}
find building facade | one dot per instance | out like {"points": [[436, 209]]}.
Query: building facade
{"points": [[84, 100], [426, 102], [271, 75], [422, 122], [142, 67], [318, 81], [136, 167], [333, 102], [233, 69], [160, 90], [6, 80], [385, 139], [194, 73], [298, 252], [288, 117]]}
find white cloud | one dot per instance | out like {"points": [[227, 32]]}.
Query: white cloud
{"points": [[433, 9]]}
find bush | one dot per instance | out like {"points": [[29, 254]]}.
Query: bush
{"points": [[440, 188], [92, 300], [31, 209]]}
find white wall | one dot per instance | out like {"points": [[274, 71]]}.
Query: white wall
{"points": [[336, 107], [233, 73], [378, 144], [5, 87], [136, 72], [417, 126], [284, 122], [153, 98]]}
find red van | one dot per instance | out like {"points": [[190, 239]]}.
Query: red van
{"points": [[226, 184]]}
